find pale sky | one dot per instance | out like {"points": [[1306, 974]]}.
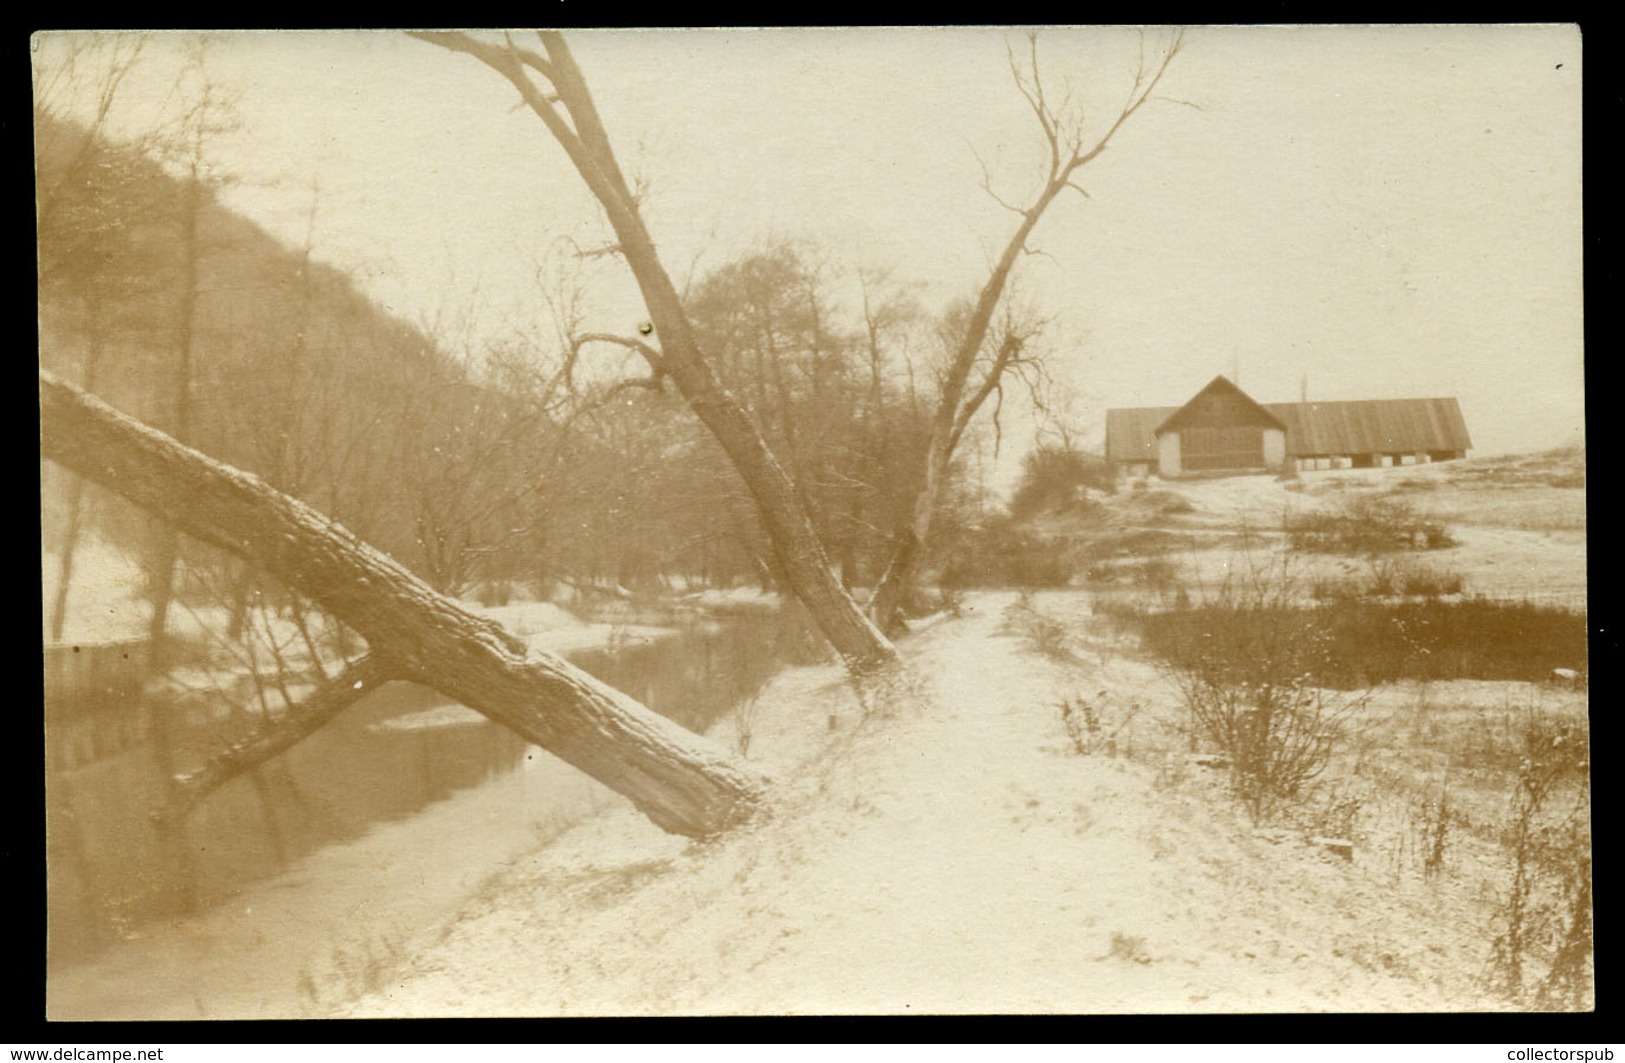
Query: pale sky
{"points": [[1391, 212]]}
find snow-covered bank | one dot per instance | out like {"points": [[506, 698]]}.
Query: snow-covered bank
{"points": [[951, 853], [554, 629]]}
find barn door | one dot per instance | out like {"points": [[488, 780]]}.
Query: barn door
{"points": [[1221, 448]]}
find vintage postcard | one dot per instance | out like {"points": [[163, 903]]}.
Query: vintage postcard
{"points": [[928, 520]]}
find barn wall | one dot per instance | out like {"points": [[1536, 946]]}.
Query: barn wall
{"points": [[1274, 449], [1168, 455]]}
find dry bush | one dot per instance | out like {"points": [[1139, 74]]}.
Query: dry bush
{"points": [[1432, 818], [1335, 813], [1423, 839], [1545, 911], [1090, 726], [1047, 635], [1247, 675], [1391, 578], [1430, 581], [1366, 525], [1279, 736]]}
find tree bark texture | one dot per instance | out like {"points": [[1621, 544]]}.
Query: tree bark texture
{"points": [[682, 782]]}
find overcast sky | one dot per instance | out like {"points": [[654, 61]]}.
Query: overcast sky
{"points": [[1389, 212]]}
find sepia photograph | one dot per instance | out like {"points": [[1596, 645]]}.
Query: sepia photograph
{"points": [[1000, 520]]}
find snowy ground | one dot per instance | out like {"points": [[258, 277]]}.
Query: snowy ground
{"points": [[1519, 524], [952, 854], [947, 852]]}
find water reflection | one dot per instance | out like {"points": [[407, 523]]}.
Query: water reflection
{"points": [[112, 868]]}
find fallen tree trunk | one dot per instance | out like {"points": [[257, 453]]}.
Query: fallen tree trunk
{"points": [[682, 782]]}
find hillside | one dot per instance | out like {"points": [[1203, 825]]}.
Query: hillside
{"points": [[159, 299]]}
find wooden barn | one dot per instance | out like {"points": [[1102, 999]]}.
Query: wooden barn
{"points": [[1221, 431]]}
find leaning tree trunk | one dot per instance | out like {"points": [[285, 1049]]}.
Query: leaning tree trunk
{"points": [[953, 415], [796, 545], [1069, 151], [682, 782]]}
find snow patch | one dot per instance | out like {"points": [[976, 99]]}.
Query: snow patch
{"points": [[428, 719]]}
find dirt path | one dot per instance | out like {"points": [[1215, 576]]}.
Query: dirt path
{"points": [[955, 855]]}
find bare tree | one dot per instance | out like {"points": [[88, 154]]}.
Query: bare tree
{"points": [[84, 191], [208, 117], [560, 98], [88, 69], [981, 355]]}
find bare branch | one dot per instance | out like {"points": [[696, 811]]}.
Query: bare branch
{"points": [[987, 186], [510, 62], [607, 251], [653, 382], [1192, 104], [655, 359], [357, 680]]}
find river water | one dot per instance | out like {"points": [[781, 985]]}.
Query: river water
{"points": [[377, 824]]}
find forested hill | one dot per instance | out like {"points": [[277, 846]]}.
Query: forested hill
{"points": [[164, 302]]}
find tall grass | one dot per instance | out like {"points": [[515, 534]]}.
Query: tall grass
{"points": [[1367, 525]]}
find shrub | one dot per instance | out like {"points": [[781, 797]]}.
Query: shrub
{"points": [[1278, 736], [1004, 555], [1547, 904], [1246, 676], [1366, 525], [1055, 479], [1088, 725], [1391, 578], [1430, 581], [1047, 635]]}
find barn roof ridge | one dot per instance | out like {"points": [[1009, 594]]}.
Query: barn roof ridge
{"points": [[1220, 383], [1321, 426]]}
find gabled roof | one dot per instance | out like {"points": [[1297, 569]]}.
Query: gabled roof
{"points": [[1368, 426], [1222, 387]]}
